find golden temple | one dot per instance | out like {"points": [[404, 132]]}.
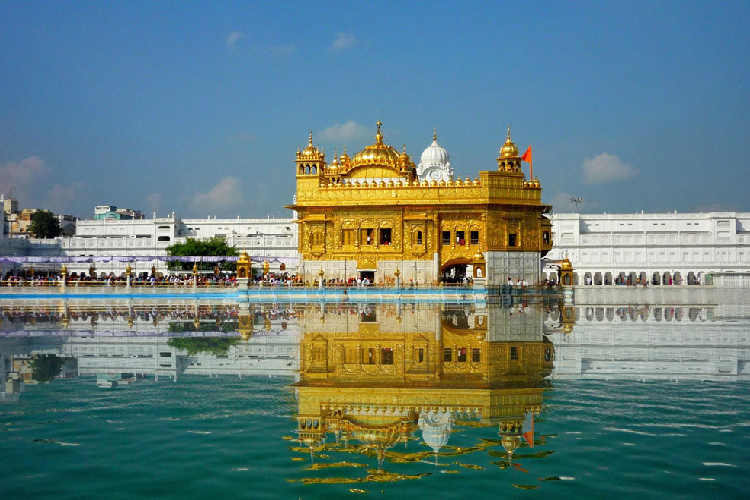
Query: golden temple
{"points": [[377, 215]]}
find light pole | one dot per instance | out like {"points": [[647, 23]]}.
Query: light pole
{"points": [[577, 200]]}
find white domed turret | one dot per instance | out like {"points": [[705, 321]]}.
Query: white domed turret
{"points": [[436, 428], [435, 164]]}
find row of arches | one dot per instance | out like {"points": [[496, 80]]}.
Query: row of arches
{"points": [[636, 278], [308, 169], [622, 314]]}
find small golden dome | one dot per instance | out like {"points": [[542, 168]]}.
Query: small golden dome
{"points": [[335, 162], [244, 258], [478, 257], [509, 149], [566, 265], [310, 152]]}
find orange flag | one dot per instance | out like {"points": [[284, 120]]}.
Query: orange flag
{"points": [[527, 155]]}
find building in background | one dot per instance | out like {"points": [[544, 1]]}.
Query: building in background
{"points": [[111, 212], [270, 239], [661, 249]]}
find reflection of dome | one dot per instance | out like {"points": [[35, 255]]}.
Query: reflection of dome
{"points": [[434, 165], [510, 433], [436, 428], [509, 149]]}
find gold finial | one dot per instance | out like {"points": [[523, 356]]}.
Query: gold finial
{"points": [[298, 149], [507, 139], [379, 136], [309, 142], [434, 133], [404, 148], [344, 149]]}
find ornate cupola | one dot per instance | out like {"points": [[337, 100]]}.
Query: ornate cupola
{"points": [[344, 161], [310, 161], [509, 161], [435, 165]]}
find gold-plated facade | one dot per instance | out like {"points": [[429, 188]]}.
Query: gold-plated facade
{"points": [[372, 208]]}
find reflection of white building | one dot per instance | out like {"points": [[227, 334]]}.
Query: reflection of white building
{"points": [[652, 342], [263, 354], [657, 247]]}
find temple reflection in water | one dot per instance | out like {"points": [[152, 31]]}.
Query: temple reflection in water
{"points": [[368, 377], [380, 374]]}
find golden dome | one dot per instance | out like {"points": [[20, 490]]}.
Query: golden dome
{"points": [[379, 154], [335, 162], [478, 257], [310, 152], [344, 157], [509, 149], [566, 265], [244, 258]]}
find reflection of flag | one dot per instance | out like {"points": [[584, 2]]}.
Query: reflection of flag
{"points": [[528, 428]]}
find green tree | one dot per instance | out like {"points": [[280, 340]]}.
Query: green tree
{"points": [[44, 224], [193, 247], [208, 345], [45, 368]]}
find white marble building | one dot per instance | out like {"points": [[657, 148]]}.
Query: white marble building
{"points": [[275, 239], [676, 248]]}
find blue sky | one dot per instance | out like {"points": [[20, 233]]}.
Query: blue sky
{"points": [[198, 108]]}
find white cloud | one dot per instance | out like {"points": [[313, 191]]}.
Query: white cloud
{"points": [[343, 41], [561, 202], [606, 168], [226, 193], [21, 175], [234, 37], [154, 201], [61, 196], [349, 131]]}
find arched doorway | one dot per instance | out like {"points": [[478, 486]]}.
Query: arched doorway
{"points": [[454, 271]]}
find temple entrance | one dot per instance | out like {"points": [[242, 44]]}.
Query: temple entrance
{"points": [[454, 274], [369, 275]]}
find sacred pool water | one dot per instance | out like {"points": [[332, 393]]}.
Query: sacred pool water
{"points": [[188, 398]]}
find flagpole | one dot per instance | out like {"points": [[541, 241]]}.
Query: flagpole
{"points": [[531, 168]]}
